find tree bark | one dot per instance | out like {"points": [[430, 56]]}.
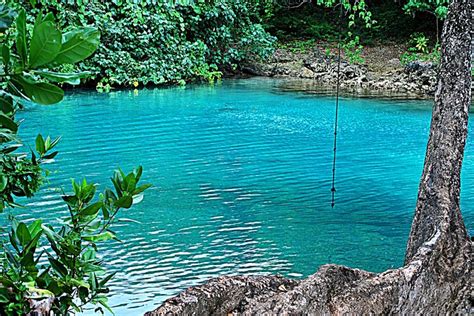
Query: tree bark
{"points": [[437, 275]]}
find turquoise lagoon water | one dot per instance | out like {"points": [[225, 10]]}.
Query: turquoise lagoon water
{"points": [[241, 175]]}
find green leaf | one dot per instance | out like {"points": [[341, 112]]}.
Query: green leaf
{"points": [[33, 243], [141, 188], [49, 17], [103, 301], [125, 201], [130, 182], [138, 173], [40, 144], [58, 266], [23, 234], [78, 45], [79, 283], [106, 279], [43, 293], [6, 56], [35, 227], [10, 149], [13, 242], [45, 44], [27, 261], [54, 142], [8, 123], [6, 105], [51, 155], [92, 209], [4, 299], [70, 78], [3, 182], [40, 92], [105, 212], [89, 254], [100, 237], [21, 37]]}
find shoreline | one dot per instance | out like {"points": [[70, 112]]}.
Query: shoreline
{"points": [[415, 80]]}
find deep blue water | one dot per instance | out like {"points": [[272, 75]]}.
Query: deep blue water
{"points": [[241, 175]]}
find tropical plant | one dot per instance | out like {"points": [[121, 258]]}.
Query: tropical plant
{"points": [[73, 275], [353, 50], [41, 266], [419, 50]]}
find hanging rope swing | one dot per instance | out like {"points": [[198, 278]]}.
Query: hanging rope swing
{"points": [[336, 115]]}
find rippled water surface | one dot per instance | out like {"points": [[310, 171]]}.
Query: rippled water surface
{"points": [[241, 175]]}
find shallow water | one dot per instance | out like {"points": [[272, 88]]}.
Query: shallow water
{"points": [[241, 175]]}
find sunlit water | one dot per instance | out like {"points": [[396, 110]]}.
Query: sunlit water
{"points": [[241, 175]]}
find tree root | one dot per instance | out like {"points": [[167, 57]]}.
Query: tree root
{"points": [[416, 288]]}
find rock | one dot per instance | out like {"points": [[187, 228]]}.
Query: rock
{"points": [[394, 62], [306, 73], [419, 77], [225, 295], [419, 66]]}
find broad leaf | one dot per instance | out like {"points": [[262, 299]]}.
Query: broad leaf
{"points": [[40, 144], [6, 105], [23, 234], [35, 227], [125, 201], [40, 92], [45, 44], [8, 123], [21, 37], [78, 45], [92, 209], [33, 243]]}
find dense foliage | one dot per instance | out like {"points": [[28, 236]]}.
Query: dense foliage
{"points": [[161, 42], [52, 269], [320, 23]]}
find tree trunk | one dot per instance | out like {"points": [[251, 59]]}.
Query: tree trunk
{"points": [[437, 275]]}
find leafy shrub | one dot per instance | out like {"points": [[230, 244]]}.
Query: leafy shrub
{"points": [[419, 50], [353, 50]]}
